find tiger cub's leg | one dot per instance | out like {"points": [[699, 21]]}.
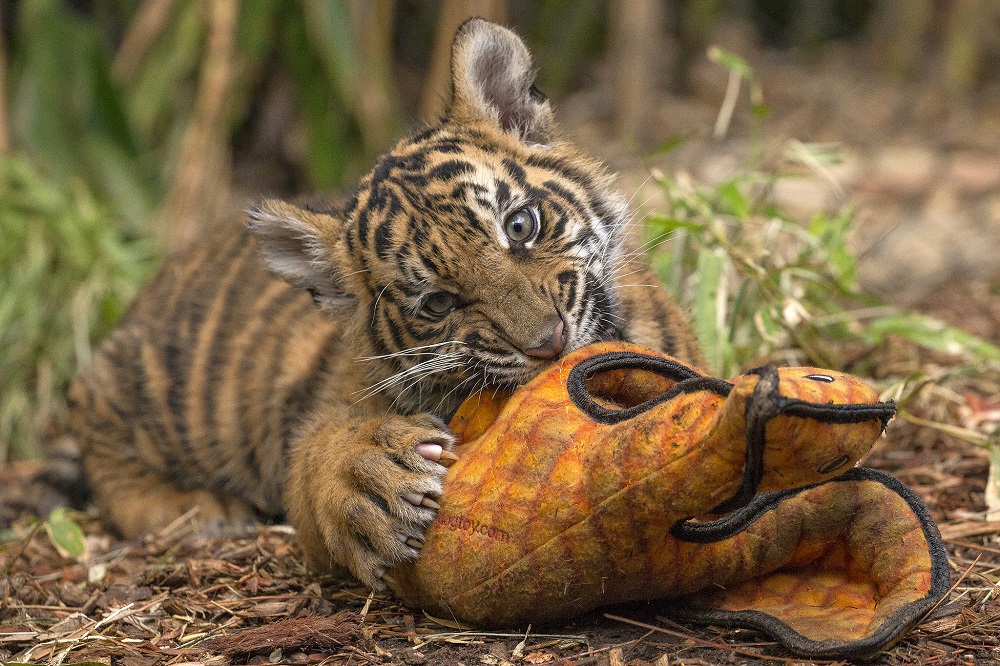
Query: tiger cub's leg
{"points": [[131, 476], [361, 492], [144, 502], [138, 499]]}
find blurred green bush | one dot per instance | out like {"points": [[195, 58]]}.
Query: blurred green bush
{"points": [[69, 273]]}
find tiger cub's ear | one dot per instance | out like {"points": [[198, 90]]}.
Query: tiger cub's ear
{"points": [[492, 79], [305, 248]]}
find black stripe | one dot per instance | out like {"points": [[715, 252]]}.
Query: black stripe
{"points": [[423, 136], [562, 220], [450, 170], [568, 279], [383, 247], [447, 146], [394, 331], [363, 223], [269, 416], [267, 313], [300, 400], [563, 168], [668, 341], [555, 188], [220, 351], [516, 171], [154, 421], [502, 195]]}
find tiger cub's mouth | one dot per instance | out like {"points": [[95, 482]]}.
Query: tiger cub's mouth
{"points": [[518, 368]]}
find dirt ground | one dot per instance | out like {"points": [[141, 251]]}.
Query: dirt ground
{"points": [[925, 173], [181, 599]]}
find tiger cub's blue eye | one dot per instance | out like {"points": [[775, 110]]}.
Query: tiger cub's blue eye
{"points": [[439, 303], [522, 225]]}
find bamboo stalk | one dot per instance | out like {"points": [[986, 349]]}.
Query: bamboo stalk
{"points": [[965, 29], [635, 31], [437, 86], [372, 23], [147, 27], [899, 30], [5, 145], [200, 188]]}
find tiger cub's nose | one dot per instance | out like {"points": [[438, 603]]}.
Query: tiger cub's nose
{"points": [[555, 344]]}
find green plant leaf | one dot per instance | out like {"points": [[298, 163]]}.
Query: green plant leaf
{"points": [[258, 21], [733, 201], [328, 145], [932, 333], [328, 34], [65, 534], [68, 272], [708, 309], [669, 145]]}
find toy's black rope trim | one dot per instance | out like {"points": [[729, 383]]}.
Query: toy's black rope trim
{"points": [[688, 381], [888, 632], [827, 413], [762, 406]]}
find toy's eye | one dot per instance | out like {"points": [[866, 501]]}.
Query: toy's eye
{"points": [[439, 303], [836, 463], [522, 225], [826, 379]]}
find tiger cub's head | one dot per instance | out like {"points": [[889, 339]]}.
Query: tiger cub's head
{"points": [[475, 251]]}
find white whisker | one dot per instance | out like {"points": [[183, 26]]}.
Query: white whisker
{"points": [[377, 299], [440, 363], [650, 244], [412, 351], [611, 277], [625, 260], [445, 397]]}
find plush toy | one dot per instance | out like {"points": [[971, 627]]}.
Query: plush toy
{"points": [[620, 475]]}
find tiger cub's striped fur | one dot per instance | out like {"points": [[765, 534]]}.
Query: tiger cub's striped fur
{"points": [[473, 253]]}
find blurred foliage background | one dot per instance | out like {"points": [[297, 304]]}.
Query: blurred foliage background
{"points": [[126, 126]]}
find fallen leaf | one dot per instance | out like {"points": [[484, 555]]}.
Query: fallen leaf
{"points": [[65, 534]]}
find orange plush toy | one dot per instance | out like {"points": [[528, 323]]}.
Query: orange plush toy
{"points": [[603, 480]]}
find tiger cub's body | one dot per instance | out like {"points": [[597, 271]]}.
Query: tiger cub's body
{"points": [[474, 253], [203, 383]]}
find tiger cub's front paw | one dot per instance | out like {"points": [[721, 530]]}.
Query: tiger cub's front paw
{"points": [[373, 494]]}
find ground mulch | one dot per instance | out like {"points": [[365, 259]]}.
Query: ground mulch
{"points": [[180, 598]]}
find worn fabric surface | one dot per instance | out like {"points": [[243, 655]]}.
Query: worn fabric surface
{"points": [[575, 492]]}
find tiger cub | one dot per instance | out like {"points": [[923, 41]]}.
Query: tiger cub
{"points": [[473, 254]]}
